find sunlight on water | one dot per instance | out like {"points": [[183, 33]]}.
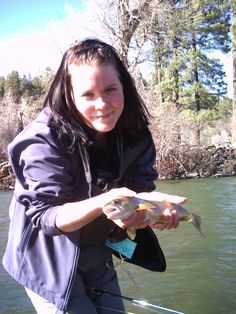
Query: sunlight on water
{"points": [[201, 272]]}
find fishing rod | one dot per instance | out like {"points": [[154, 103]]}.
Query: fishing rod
{"points": [[140, 303]]}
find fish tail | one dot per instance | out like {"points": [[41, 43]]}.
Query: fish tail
{"points": [[196, 221]]}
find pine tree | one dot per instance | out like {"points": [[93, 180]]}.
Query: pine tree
{"points": [[2, 86], [189, 31], [233, 129]]}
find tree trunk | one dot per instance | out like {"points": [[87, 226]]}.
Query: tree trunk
{"points": [[158, 62], [196, 96], [175, 98], [129, 20]]}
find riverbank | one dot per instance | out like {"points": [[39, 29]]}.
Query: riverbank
{"points": [[7, 178], [201, 162], [209, 161]]}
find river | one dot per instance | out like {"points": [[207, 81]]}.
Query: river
{"points": [[201, 271]]}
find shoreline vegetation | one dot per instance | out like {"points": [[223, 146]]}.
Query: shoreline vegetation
{"points": [[209, 161]]}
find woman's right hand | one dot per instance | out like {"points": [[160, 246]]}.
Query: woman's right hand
{"points": [[118, 193], [127, 217], [113, 209]]}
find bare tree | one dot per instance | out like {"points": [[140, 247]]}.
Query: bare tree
{"points": [[127, 22]]}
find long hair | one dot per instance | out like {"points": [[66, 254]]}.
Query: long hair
{"points": [[66, 119]]}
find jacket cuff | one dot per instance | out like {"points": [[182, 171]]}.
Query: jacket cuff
{"points": [[48, 222]]}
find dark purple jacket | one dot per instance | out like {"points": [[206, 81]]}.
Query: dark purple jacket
{"points": [[38, 255]]}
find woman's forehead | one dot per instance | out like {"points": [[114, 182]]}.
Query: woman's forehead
{"points": [[99, 75]]}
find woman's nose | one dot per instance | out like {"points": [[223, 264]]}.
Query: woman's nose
{"points": [[100, 102]]}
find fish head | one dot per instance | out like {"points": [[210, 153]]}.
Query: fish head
{"points": [[122, 203]]}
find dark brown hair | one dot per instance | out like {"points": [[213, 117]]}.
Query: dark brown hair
{"points": [[66, 119]]}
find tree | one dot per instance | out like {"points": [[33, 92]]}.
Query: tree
{"points": [[126, 23], [2, 86], [186, 31], [233, 128], [13, 85]]}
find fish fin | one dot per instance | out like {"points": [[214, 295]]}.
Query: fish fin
{"points": [[131, 232], [143, 204], [196, 222]]}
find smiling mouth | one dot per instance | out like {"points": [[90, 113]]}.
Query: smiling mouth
{"points": [[104, 116]]}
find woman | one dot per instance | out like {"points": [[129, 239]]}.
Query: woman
{"points": [[89, 145]]}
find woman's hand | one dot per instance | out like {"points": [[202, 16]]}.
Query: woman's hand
{"points": [[137, 220], [119, 193], [170, 218], [130, 217]]}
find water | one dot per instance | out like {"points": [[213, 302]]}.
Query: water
{"points": [[201, 272]]}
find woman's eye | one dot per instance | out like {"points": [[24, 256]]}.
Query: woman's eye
{"points": [[88, 95], [110, 89]]}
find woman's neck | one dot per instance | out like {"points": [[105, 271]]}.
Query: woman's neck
{"points": [[101, 140]]}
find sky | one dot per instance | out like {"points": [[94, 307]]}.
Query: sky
{"points": [[19, 17], [27, 34], [34, 36]]}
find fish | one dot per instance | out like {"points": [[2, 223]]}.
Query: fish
{"points": [[123, 207]]}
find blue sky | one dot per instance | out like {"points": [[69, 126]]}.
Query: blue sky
{"points": [[18, 17]]}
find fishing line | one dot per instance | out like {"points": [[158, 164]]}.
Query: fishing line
{"points": [[124, 267], [145, 304], [114, 310], [149, 310], [140, 303]]}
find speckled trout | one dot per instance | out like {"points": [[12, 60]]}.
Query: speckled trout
{"points": [[124, 207]]}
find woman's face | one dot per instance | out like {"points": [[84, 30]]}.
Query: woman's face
{"points": [[98, 95]]}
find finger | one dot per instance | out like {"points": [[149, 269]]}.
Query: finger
{"points": [[168, 219], [159, 226], [175, 219], [121, 192], [120, 223], [171, 221], [161, 197], [166, 213], [174, 199], [117, 214], [136, 219]]}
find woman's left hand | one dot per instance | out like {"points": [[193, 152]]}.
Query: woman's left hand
{"points": [[170, 219], [138, 220]]}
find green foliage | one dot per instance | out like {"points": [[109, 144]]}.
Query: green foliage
{"points": [[13, 85], [202, 117], [224, 108], [21, 100], [2, 86], [234, 35], [185, 34], [27, 87], [209, 116], [214, 25]]}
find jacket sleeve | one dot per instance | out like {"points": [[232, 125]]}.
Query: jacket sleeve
{"points": [[44, 178], [142, 173]]}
